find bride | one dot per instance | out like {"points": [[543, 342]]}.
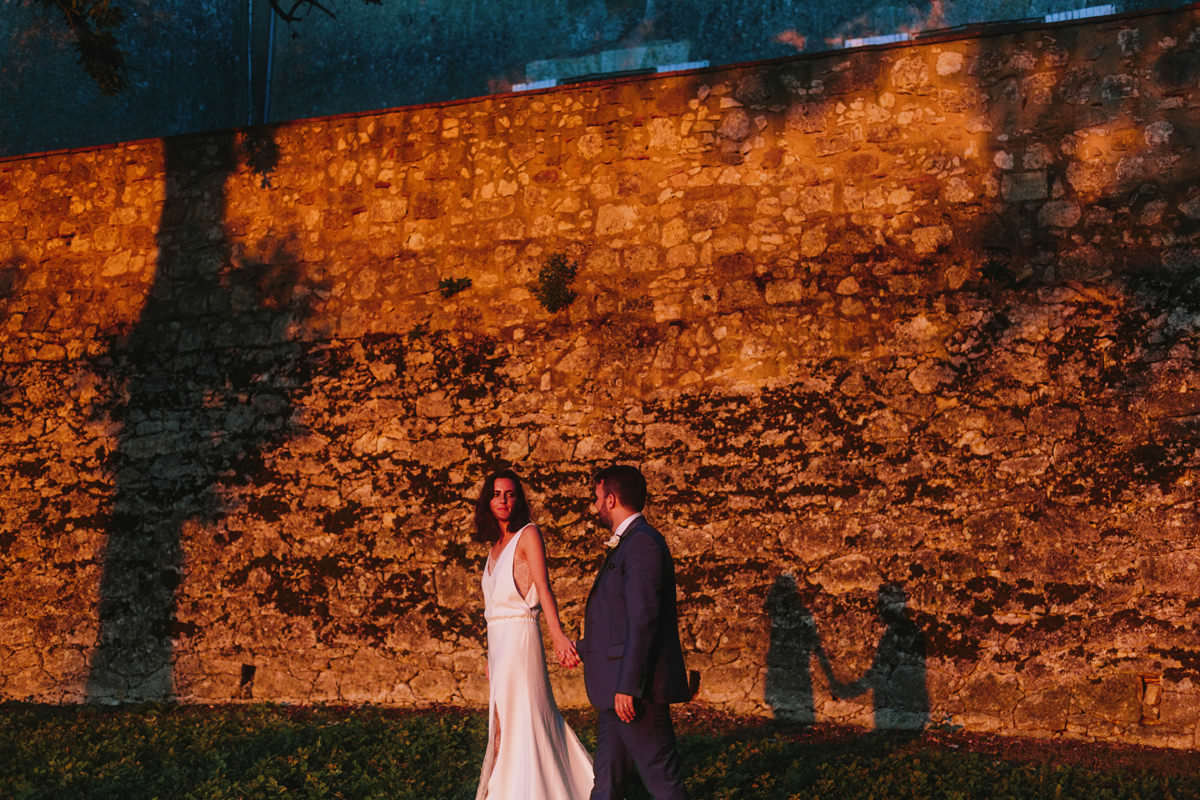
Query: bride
{"points": [[531, 754]]}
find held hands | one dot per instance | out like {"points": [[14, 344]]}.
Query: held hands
{"points": [[564, 649], [836, 688]]}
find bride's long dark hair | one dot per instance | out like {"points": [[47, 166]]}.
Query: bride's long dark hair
{"points": [[486, 527]]}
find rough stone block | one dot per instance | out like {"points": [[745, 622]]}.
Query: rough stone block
{"points": [[848, 574], [612, 219], [1021, 187], [1059, 214], [1115, 699], [949, 63], [781, 292], [434, 685], [932, 238], [1044, 710]]}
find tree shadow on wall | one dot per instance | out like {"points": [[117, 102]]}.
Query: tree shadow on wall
{"points": [[12, 278], [1112, 166], [206, 380], [1083, 198], [896, 676], [1125, 165]]}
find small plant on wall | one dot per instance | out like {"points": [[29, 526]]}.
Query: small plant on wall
{"points": [[553, 289], [419, 331]]}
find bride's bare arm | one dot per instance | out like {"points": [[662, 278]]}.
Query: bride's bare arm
{"points": [[534, 550]]}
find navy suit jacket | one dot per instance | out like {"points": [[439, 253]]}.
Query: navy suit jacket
{"points": [[631, 627]]}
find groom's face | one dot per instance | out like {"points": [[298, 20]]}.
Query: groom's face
{"points": [[603, 506]]}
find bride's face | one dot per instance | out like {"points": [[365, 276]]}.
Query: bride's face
{"points": [[504, 497]]}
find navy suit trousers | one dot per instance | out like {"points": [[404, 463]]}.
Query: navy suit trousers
{"points": [[646, 744]]}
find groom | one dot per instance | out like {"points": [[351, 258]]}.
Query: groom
{"points": [[632, 661]]}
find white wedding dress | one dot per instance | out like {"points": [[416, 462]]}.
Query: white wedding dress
{"points": [[539, 757]]}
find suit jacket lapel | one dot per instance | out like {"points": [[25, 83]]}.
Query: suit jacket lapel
{"points": [[596, 582], [612, 551]]}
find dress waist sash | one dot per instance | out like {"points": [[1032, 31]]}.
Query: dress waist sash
{"points": [[528, 616]]}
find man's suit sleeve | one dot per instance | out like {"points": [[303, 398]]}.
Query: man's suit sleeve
{"points": [[642, 584]]}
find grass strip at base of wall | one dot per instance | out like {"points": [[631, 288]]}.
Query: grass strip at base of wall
{"points": [[264, 751]]}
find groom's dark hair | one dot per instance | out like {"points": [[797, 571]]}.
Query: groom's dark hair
{"points": [[486, 527], [626, 483]]}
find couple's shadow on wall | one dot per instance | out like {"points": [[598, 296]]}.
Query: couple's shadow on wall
{"points": [[896, 676]]}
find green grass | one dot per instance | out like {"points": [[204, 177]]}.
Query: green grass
{"points": [[263, 751]]}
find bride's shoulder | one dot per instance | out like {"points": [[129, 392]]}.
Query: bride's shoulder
{"points": [[531, 535]]}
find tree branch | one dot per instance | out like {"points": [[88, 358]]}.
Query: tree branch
{"points": [[292, 16]]}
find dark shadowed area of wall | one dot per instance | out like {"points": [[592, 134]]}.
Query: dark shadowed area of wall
{"points": [[907, 342]]}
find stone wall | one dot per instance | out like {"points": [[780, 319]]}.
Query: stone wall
{"points": [[906, 340]]}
